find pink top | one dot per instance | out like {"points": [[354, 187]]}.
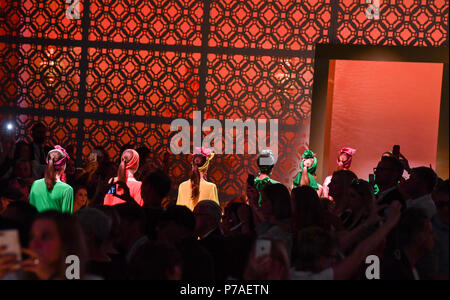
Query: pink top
{"points": [[135, 192]]}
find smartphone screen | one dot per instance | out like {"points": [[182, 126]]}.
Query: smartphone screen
{"points": [[262, 247], [10, 239]]}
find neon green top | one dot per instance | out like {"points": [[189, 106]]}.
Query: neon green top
{"points": [[60, 198]]}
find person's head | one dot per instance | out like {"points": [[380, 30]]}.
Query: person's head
{"points": [[132, 225], [155, 187], [80, 197], [344, 159], [102, 155], [440, 196], [340, 181], [360, 196], [307, 208], [266, 161], [56, 164], [156, 262], [129, 163], [144, 153], [415, 231], [207, 216], [388, 172], [317, 250], [231, 220], [421, 181], [39, 133], [176, 223], [8, 195], [54, 236], [22, 169], [96, 226], [23, 151], [276, 202], [309, 160]]}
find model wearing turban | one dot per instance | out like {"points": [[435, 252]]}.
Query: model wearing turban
{"points": [[311, 170]]}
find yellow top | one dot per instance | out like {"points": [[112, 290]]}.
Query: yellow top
{"points": [[207, 191]]}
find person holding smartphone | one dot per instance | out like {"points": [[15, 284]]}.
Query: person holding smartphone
{"points": [[52, 192]]}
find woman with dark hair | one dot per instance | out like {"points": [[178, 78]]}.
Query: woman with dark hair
{"points": [[197, 188], [266, 161], [276, 209], [80, 198], [51, 192], [360, 203], [54, 237], [128, 166], [237, 219]]}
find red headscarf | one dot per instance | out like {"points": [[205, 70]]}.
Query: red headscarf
{"points": [[350, 152], [133, 162]]}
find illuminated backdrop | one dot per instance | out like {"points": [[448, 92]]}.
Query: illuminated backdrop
{"points": [[123, 71]]}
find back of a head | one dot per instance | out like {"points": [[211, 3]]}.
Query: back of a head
{"points": [[131, 212], [280, 198], [427, 177], [96, 222], [210, 208], [266, 162], [159, 182], [345, 175], [395, 164], [308, 210], [412, 223], [312, 244], [180, 215], [154, 262]]}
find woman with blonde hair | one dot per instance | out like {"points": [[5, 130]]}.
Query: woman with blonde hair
{"points": [[51, 192], [197, 188]]}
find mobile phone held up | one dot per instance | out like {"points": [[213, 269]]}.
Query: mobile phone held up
{"points": [[9, 239]]}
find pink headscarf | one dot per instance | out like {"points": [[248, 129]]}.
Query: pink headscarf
{"points": [[206, 152], [134, 161], [350, 152], [62, 162]]}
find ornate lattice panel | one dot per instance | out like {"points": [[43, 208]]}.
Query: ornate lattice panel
{"points": [[61, 131], [257, 62], [48, 19], [9, 17], [404, 22], [49, 77], [165, 22], [259, 87], [275, 24], [144, 83], [9, 64]]}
